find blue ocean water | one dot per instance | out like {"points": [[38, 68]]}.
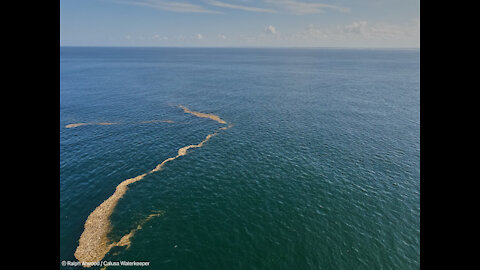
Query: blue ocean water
{"points": [[319, 171]]}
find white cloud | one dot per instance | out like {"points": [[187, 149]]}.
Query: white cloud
{"points": [[270, 30], [356, 27], [169, 6], [358, 33], [301, 8], [232, 6], [384, 31], [187, 6]]}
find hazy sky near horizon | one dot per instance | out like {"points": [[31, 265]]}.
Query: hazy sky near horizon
{"points": [[241, 23]]}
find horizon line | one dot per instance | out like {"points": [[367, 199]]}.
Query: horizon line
{"points": [[239, 47]]}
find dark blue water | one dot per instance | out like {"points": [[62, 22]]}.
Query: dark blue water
{"points": [[319, 171]]}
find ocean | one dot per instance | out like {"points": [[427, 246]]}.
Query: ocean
{"points": [[318, 166]]}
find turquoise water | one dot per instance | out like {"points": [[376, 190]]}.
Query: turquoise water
{"points": [[319, 171]]}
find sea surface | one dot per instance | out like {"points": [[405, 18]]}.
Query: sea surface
{"points": [[320, 169]]}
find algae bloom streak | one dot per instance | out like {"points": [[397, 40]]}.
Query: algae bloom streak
{"points": [[94, 243], [89, 124], [203, 115]]}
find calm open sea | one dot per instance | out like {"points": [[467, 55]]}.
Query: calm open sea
{"points": [[321, 169]]}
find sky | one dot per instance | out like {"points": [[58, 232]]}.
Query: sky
{"points": [[241, 23]]}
